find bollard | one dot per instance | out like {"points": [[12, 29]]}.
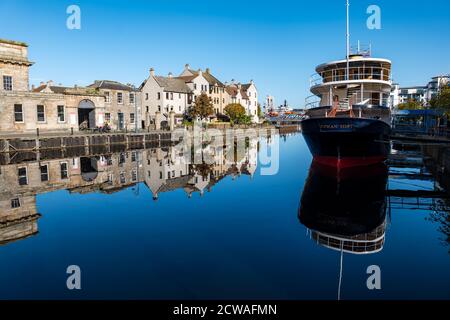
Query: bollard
{"points": [[71, 131], [37, 132]]}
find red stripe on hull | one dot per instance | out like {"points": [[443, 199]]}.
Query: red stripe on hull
{"points": [[343, 163]]}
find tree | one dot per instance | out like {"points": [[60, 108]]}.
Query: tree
{"points": [[235, 111], [260, 113], [410, 105], [442, 101], [202, 108]]}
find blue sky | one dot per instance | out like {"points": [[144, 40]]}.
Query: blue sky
{"points": [[276, 43]]}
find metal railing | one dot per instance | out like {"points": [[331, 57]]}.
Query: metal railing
{"points": [[356, 73], [355, 97]]}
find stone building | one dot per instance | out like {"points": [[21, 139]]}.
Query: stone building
{"points": [[215, 88], [246, 95], [122, 104], [162, 98], [48, 107]]}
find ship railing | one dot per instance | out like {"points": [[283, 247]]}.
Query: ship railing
{"points": [[364, 50], [356, 73], [312, 102]]}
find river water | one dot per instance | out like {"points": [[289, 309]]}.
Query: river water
{"points": [[143, 225]]}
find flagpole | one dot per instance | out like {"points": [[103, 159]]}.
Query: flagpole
{"points": [[348, 40]]}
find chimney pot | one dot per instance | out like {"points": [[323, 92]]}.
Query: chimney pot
{"points": [[170, 75], [186, 66], [208, 70], [42, 83], [152, 72]]}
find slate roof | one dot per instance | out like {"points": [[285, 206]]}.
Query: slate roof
{"points": [[209, 77], [172, 84], [67, 90], [233, 91], [55, 89], [111, 85]]}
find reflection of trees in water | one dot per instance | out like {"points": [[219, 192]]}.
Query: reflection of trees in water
{"points": [[203, 169], [441, 216]]}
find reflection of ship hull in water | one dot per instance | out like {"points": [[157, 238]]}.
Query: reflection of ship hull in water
{"points": [[347, 142], [346, 210]]}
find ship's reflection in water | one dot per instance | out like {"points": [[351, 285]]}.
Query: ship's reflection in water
{"points": [[346, 210]]}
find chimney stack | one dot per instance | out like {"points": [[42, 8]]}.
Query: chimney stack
{"points": [[42, 83], [170, 75], [208, 70], [200, 72], [33, 87], [186, 66], [152, 72]]}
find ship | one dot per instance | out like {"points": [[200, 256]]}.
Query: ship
{"points": [[348, 119]]}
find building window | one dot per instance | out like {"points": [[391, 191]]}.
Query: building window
{"points": [[108, 117], [15, 203], [167, 95], [122, 158], [134, 175], [195, 86], [171, 96], [44, 173], [18, 113], [64, 170], [131, 98], [159, 95], [40, 113], [7, 83], [159, 108], [119, 97], [146, 96], [23, 177], [179, 96], [132, 120], [146, 108], [133, 156], [122, 178], [107, 97], [61, 114]]}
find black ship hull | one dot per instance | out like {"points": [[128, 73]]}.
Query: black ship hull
{"points": [[347, 142]]}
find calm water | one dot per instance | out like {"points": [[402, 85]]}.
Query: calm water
{"points": [[225, 232]]}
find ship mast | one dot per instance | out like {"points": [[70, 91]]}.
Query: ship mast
{"points": [[348, 40]]}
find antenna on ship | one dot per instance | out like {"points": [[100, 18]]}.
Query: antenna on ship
{"points": [[348, 39]]}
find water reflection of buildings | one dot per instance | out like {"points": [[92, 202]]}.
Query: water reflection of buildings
{"points": [[346, 211], [160, 169]]}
